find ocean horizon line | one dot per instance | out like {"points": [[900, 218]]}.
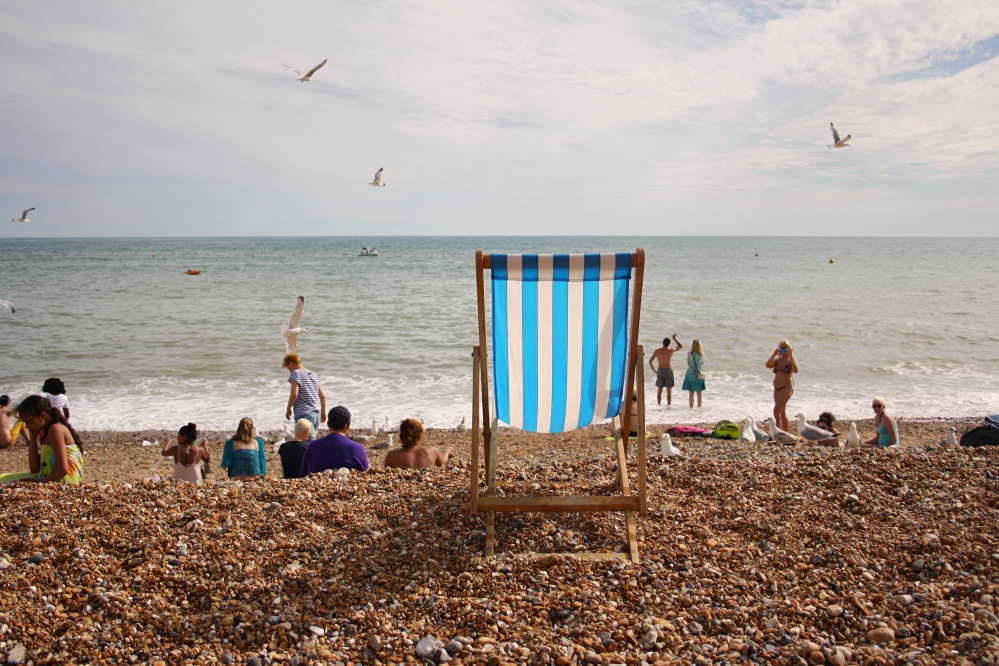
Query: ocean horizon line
{"points": [[457, 236]]}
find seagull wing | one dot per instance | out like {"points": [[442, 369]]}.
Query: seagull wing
{"points": [[378, 177], [25, 213], [297, 71], [834, 133], [8, 305], [308, 75], [296, 314], [290, 338]]}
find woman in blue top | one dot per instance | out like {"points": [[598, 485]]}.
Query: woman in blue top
{"points": [[884, 426], [243, 455], [693, 381]]}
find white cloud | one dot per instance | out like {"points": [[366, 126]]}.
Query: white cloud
{"points": [[509, 117]]}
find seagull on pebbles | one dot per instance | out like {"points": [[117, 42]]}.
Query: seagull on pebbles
{"points": [[377, 182], [761, 436], [291, 330], [24, 216], [308, 75], [951, 438], [666, 448], [810, 432], [778, 435], [853, 439], [747, 431], [838, 142]]}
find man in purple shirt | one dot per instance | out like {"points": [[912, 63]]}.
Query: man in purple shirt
{"points": [[335, 450]]}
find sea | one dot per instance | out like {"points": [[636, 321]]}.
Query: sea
{"points": [[140, 344]]}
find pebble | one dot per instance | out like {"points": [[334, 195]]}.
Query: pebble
{"points": [[17, 654], [37, 558], [427, 647], [384, 560], [881, 635]]}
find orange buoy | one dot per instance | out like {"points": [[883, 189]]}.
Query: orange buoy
{"points": [[191, 271]]}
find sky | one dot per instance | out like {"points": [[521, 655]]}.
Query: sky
{"points": [[513, 117]]}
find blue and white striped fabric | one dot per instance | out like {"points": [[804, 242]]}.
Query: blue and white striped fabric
{"points": [[560, 338]]}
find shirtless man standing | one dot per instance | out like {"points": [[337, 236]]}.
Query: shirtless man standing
{"points": [[664, 374]]}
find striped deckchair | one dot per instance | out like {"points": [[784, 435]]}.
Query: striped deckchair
{"points": [[563, 358]]}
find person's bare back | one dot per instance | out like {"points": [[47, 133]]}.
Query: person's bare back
{"points": [[417, 457], [6, 419], [664, 356]]}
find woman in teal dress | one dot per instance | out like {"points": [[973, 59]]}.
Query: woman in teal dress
{"points": [[884, 425], [243, 455], [693, 381]]}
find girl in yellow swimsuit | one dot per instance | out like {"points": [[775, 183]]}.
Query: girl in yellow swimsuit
{"points": [[55, 451]]}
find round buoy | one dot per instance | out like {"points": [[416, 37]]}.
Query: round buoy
{"points": [[831, 261], [757, 254]]}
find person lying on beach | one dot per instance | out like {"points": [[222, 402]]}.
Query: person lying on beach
{"points": [[7, 417], [827, 421], [884, 426], [293, 451], [187, 454], [335, 450], [413, 454], [55, 450], [244, 454]]}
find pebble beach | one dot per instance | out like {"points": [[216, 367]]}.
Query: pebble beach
{"points": [[750, 552]]}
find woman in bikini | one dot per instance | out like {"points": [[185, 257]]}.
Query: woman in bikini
{"points": [[187, 454], [783, 364]]}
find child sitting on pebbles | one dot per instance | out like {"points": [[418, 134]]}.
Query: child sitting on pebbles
{"points": [[413, 455]]}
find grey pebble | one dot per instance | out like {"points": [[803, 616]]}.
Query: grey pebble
{"points": [[17, 654], [37, 558], [427, 647]]}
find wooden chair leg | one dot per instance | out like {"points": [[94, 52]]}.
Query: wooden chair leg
{"points": [[490, 533], [629, 522]]}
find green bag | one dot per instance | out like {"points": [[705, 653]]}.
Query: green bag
{"points": [[727, 430]]}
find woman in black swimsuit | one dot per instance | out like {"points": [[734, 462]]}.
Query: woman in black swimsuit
{"points": [[783, 364]]}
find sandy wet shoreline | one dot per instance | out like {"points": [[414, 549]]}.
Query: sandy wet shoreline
{"points": [[756, 553]]}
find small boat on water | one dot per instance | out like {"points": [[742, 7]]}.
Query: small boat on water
{"points": [[191, 271], [369, 252]]}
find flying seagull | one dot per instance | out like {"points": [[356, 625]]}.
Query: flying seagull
{"points": [[24, 216], [10, 306], [377, 182], [290, 331], [838, 142], [308, 75]]}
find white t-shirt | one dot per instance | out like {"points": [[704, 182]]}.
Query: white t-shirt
{"points": [[59, 402]]}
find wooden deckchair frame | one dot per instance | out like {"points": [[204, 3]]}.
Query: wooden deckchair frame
{"points": [[484, 434]]}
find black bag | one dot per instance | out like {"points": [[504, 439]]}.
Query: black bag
{"points": [[985, 435]]}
